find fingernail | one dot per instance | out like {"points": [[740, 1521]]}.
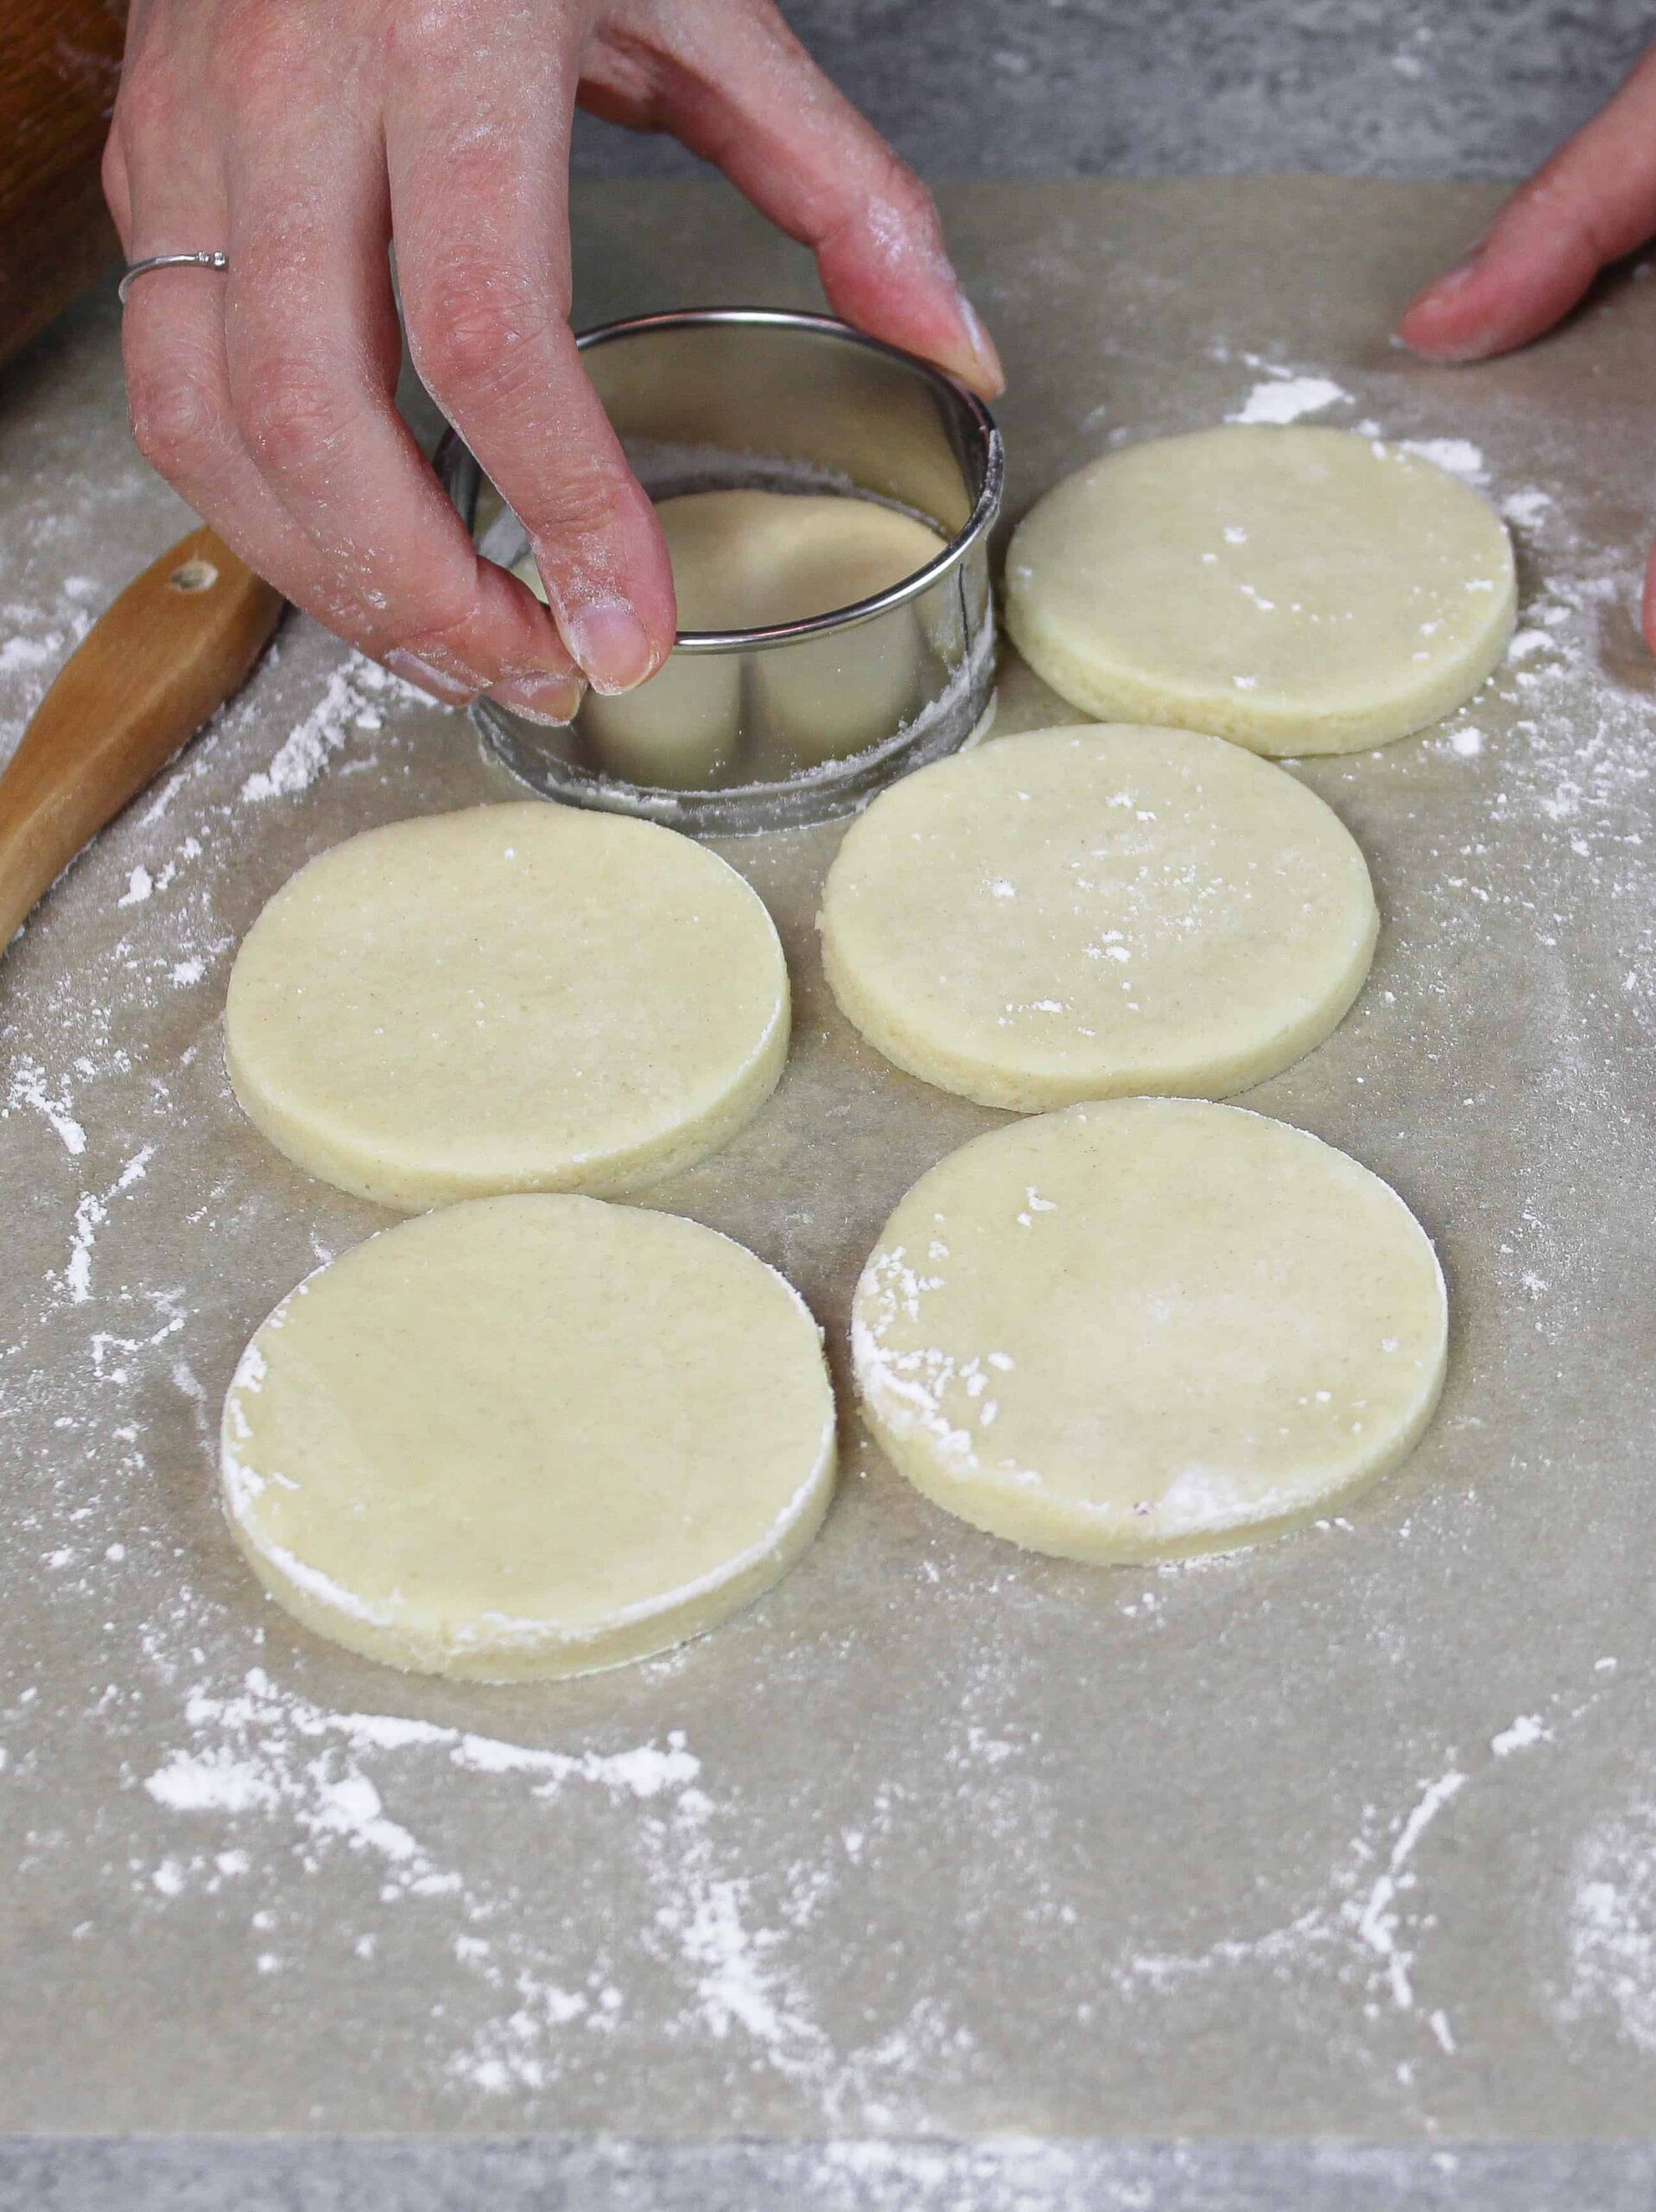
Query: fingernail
{"points": [[452, 691], [549, 699], [608, 640], [1452, 280], [983, 347]]}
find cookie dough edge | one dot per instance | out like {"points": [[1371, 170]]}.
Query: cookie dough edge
{"points": [[1278, 734], [538, 1652], [1000, 1510]]}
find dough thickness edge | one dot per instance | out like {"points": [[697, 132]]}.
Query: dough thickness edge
{"points": [[407, 1187], [1027, 1092], [1110, 1538], [966, 1075], [520, 1651], [333, 1156], [1279, 732]]}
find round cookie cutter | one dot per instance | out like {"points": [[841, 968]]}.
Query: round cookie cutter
{"points": [[803, 720]]}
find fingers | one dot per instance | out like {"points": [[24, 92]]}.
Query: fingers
{"points": [[479, 210], [118, 192], [178, 395], [739, 89], [312, 351], [1595, 200]]}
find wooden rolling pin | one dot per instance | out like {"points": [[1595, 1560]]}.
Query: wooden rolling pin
{"points": [[174, 646]]}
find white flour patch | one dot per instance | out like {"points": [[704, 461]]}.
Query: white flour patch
{"points": [[90, 1214], [1281, 396], [320, 1786], [31, 653], [1455, 456], [1528, 1730], [1527, 509], [347, 703], [1611, 1926], [28, 1089]]}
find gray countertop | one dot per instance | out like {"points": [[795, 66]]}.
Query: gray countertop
{"points": [[1051, 88]]}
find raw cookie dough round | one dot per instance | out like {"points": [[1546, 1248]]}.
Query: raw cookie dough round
{"points": [[529, 1436], [1147, 1327], [1296, 590], [516, 998], [1079, 912]]}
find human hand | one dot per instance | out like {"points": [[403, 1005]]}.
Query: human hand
{"points": [[1594, 201], [305, 141]]}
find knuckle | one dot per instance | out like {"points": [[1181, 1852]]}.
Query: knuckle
{"points": [[478, 330], [253, 48], [422, 32], [174, 419], [112, 174], [912, 200], [145, 107], [292, 413], [587, 503]]}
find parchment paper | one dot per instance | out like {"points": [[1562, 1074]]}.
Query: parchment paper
{"points": [[1354, 1833]]}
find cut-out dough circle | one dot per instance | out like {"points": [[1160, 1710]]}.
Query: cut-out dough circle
{"points": [[515, 998], [1080, 913], [1147, 1327], [1296, 590], [529, 1436]]}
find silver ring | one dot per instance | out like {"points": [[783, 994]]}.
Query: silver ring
{"points": [[168, 261]]}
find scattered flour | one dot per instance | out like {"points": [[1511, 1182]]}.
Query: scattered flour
{"points": [[318, 1784], [1281, 396], [347, 702], [27, 1088], [1457, 456], [1611, 1925], [91, 1213], [1381, 1917]]}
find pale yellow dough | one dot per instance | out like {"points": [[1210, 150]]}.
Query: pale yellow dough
{"points": [[1296, 590], [1083, 911], [1146, 1327], [749, 559], [523, 997], [529, 1436]]}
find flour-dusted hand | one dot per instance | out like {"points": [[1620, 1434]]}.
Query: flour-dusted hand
{"points": [[305, 141], [1594, 201]]}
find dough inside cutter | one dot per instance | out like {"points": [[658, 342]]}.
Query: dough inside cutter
{"points": [[750, 559]]}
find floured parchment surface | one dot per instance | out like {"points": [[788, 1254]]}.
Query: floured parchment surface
{"points": [[1352, 1833]]}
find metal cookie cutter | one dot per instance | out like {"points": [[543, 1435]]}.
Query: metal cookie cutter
{"points": [[745, 730]]}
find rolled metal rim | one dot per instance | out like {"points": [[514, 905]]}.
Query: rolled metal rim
{"points": [[984, 438], [832, 787]]}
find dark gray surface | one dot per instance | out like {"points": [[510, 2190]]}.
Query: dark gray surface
{"points": [[553, 2174], [1051, 88]]}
